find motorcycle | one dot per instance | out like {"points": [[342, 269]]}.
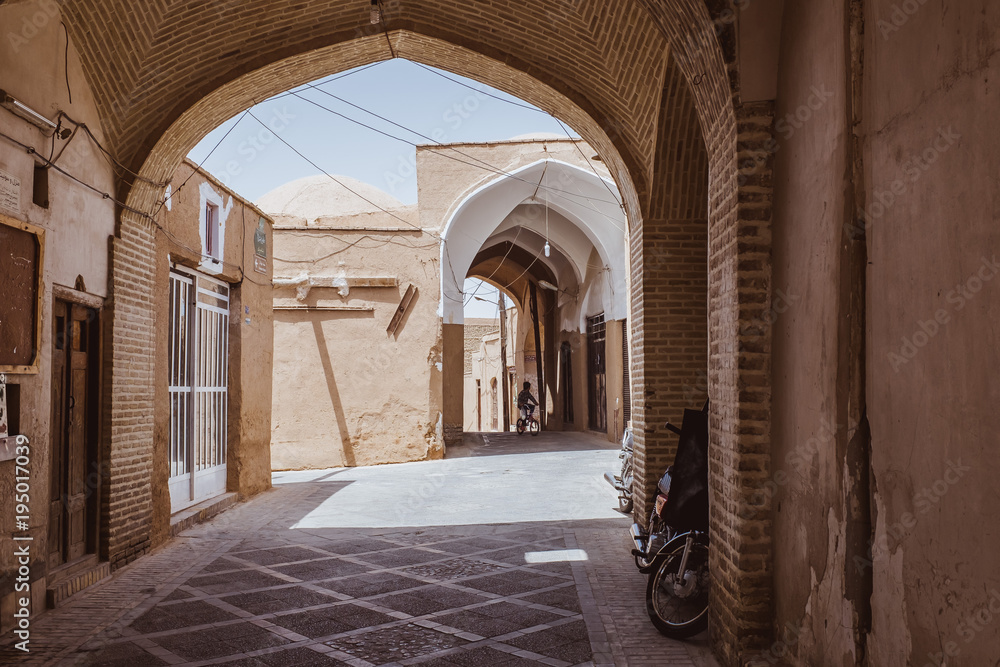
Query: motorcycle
{"points": [[623, 481], [673, 551]]}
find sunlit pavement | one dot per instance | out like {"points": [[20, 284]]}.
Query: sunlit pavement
{"points": [[509, 552]]}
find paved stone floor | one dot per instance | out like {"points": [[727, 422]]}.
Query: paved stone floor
{"points": [[506, 553]]}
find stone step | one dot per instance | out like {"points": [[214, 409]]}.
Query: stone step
{"points": [[203, 511], [77, 578]]}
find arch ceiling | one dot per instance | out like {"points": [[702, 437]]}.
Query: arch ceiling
{"points": [[585, 217], [165, 74]]}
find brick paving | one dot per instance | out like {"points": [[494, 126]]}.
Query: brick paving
{"points": [[249, 588]]}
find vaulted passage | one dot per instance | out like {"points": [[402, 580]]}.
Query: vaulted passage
{"points": [[803, 236], [616, 82]]}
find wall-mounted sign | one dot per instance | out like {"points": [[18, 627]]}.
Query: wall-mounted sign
{"points": [[10, 192], [260, 247], [21, 247]]}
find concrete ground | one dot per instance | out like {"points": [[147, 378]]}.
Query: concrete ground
{"points": [[509, 552]]}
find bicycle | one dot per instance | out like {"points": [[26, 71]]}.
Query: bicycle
{"points": [[530, 424]]}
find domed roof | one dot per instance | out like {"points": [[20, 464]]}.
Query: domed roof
{"points": [[312, 198]]}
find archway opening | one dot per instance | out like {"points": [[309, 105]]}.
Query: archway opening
{"points": [[615, 144]]}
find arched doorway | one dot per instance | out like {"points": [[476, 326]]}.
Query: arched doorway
{"points": [[157, 111]]}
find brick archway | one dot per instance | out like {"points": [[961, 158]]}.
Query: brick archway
{"points": [[651, 90]]}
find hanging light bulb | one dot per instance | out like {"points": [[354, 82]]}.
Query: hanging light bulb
{"points": [[548, 248], [376, 13]]}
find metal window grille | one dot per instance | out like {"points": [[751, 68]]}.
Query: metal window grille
{"points": [[199, 388]]}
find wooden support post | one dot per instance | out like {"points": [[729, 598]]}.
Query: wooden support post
{"points": [[503, 363], [538, 355]]}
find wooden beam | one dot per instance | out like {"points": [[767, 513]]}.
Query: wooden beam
{"points": [[397, 317], [332, 281], [349, 309]]}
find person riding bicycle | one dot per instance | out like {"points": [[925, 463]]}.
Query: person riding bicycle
{"points": [[526, 402]]}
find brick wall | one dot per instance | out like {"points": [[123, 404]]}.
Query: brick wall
{"points": [[474, 334], [129, 372], [739, 380], [669, 290]]}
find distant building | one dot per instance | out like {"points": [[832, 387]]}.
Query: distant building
{"points": [[374, 362]]}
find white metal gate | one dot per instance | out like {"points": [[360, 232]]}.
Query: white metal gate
{"points": [[199, 388]]}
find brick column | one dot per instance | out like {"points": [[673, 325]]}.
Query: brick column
{"points": [[670, 328], [129, 375], [669, 276], [739, 381]]}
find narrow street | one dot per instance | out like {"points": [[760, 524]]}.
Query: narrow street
{"points": [[506, 553]]}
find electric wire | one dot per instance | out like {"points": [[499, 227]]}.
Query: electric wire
{"points": [[105, 195], [489, 166], [337, 77], [335, 180], [564, 194], [180, 187], [109, 155], [385, 28], [350, 244], [516, 236], [589, 162], [65, 145], [66, 61], [496, 97], [240, 118], [565, 129]]}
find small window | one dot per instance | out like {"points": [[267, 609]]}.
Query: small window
{"points": [[211, 235], [40, 186]]}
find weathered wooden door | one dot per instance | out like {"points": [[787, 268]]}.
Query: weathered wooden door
{"points": [[597, 395], [73, 422]]}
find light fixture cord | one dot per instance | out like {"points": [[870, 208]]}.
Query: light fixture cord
{"points": [[385, 29]]}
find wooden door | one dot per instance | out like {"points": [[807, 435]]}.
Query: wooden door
{"points": [[597, 395], [71, 508], [57, 530]]}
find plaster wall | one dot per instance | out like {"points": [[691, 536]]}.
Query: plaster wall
{"points": [[345, 391], [613, 371], [77, 224], [926, 143], [476, 402], [487, 367], [807, 464], [934, 304]]}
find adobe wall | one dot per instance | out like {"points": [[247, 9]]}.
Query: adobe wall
{"points": [[346, 392], [77, 225], [179, 242]]}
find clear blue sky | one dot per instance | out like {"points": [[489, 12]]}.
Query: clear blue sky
{"points": [[252, 160]]}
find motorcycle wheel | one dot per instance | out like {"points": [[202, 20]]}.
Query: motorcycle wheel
{"points": [[681, 611], [625, 503], [534, 427], [654, 526]]}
